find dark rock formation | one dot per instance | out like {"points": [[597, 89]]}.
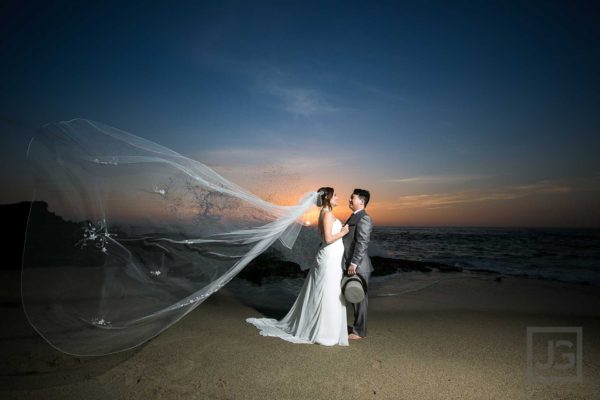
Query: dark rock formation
{"points": [[385, 266]]}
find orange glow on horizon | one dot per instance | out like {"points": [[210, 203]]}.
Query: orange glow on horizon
{"points": [[525, 206]]}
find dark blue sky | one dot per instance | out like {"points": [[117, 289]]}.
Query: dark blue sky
{"points": [[462, 113]]}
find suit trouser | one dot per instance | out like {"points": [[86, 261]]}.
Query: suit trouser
{"points": [[359, 326]]}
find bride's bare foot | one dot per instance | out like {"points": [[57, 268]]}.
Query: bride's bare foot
{"points": [[354, 336]]}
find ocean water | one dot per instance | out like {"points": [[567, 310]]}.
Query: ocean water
{"points": [[569, 255]]}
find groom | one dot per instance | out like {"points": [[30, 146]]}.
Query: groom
{"points": [[356, 260]]}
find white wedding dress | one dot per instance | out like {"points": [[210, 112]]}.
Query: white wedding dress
{"points": [[319, 313]]}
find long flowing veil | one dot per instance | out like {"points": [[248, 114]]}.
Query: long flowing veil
{"points": [[126, 236]]}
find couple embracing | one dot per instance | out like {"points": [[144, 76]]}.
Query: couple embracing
{"points": [[319, 312]]}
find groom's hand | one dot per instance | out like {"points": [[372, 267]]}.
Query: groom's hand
{"points": [[352, 269]]}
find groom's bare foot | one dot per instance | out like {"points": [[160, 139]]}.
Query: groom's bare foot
{"points": [[354, 336]]}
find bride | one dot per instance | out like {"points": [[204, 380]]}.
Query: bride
{"points": [[319, 312]]}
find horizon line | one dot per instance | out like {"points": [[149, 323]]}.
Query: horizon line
{"points": [[387, 225]]}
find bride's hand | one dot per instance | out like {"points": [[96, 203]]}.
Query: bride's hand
{"points": [[345, 230]]}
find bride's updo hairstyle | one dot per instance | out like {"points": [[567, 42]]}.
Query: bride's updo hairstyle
{"points": [[325, 197]]}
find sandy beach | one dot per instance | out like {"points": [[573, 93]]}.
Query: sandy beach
{"points": [[457, 339]]}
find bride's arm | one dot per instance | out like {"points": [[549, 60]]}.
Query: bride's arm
{"points": [[327, 224]]}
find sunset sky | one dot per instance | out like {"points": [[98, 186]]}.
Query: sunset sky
{"points": [[451, 113]]}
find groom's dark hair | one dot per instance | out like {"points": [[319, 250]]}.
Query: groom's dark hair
{"points": [[363, 194]]}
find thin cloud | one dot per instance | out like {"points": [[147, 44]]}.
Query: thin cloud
{"points": [[366, 88], [434, 179], [439, 200], [289, 96], [299, 101], [379, 92], [250, 161], [275, 175]]}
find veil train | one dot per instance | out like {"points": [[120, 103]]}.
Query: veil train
{"points": [[126, 236]]}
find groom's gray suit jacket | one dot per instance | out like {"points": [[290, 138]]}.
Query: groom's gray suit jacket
{"points": [[356, 243]]}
